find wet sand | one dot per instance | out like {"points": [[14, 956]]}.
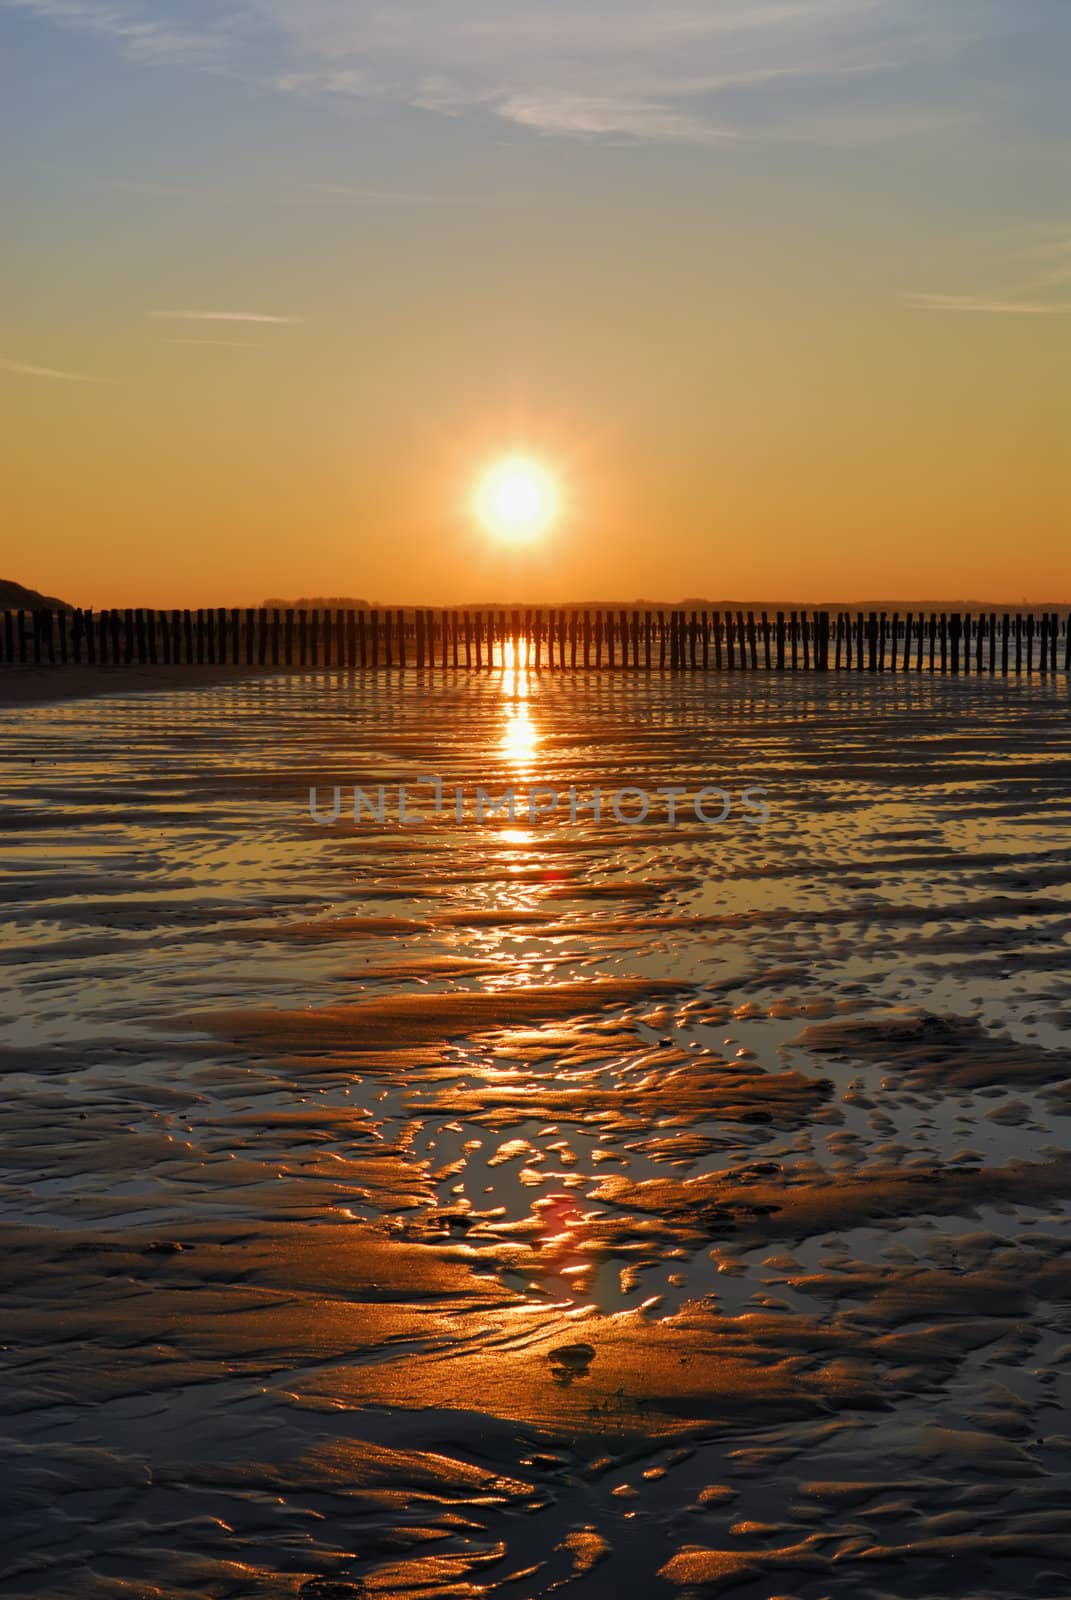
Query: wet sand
{"points": [[474, 1208], [40, 685]]}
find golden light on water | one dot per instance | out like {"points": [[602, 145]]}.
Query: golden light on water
{"points": [[517, 498], [520, 738]]}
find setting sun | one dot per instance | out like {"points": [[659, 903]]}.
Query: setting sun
{"points": [[517, 498]]}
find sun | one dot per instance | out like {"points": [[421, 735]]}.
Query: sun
{"points": [[517, 498]]}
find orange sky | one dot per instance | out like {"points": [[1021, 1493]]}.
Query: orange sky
{"points": [[785, 308]]}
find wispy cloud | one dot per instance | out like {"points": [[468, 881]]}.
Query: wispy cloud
{"points": [[1023, 269], [288, 191], [221, 344], [694, 71], [980, 303], [139, 35], [27, 369], [221, 316]]}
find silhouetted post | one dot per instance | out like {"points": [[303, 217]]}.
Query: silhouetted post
{"points": [[1030, 644], [953, 639], [419, 638], [1018, 643], [1067, 644]]}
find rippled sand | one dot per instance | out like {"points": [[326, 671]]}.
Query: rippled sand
{"points": [[626, 1209]]}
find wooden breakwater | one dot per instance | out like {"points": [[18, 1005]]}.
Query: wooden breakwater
{"points": [[574, 639]]}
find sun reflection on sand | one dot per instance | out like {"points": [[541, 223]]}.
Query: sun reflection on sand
{"points": [[564, 1265]]}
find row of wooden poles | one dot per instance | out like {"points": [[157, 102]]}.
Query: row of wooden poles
{"points": [[560, 640]]}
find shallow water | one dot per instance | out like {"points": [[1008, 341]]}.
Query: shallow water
{"points": [[479, 1206]]}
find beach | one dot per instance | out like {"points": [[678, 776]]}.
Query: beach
{"points": [[490, 1204]]}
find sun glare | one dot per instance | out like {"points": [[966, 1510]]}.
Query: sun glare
{"points": [[517, 499]]}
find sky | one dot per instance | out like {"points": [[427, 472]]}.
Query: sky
{"points": [[778, 290]]}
